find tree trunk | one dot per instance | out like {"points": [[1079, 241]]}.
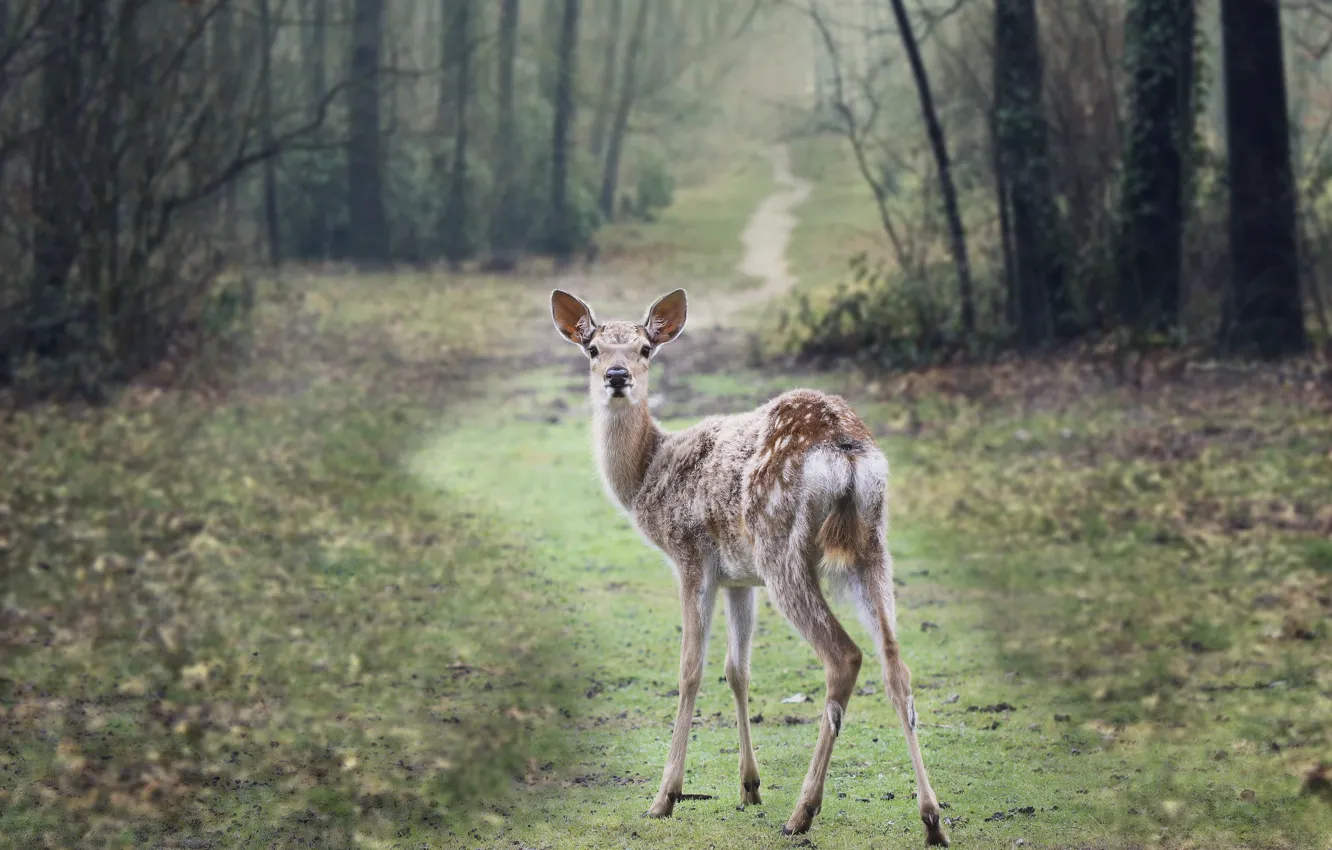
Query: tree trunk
{"points": [[454, 226], [1150, 249], [314, 57], [56, 196], [1024, 153], [957, 237], [272, 224], [450, 53], [4, 92], [606, 96], [1265, 316], [547, 51], [1004, 205], [610, 172], [505, 238], [562, 225], [226, 73], [369, 237]]}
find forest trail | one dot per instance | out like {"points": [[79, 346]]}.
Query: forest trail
{"points": [[763, 257], [768, 233]]}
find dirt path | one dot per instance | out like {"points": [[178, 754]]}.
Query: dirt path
{"points": [[764, 242], [769, 231]]}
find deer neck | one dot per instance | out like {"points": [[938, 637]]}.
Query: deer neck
{"points": [[626, 440]]}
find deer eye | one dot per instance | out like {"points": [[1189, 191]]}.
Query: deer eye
{"points": [[593, 351], [647, 351]]}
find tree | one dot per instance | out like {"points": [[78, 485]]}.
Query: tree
{"points": [[272, 224], [547, 51], [57, 197], [1023, 157], [1264, 314], [314, 61], [957, 236], [458, 54], [610, 173], [606, 93], [1159, 37], [224, 70], [562, 224], [505, 238], [369, 236]]}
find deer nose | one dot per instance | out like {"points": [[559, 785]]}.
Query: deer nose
{"points": [[617, 377]]}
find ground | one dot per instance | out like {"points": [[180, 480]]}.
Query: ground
{"points": [[371, 593]]}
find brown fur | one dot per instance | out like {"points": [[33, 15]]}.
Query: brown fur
{"points": [[770, 498]]}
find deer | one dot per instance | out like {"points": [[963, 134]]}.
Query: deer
{"points": [[779, 497]]}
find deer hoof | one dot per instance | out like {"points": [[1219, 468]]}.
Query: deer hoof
{"points": [[934, 834]]}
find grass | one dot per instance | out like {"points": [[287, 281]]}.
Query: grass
{"points": [[695, 238], [217, 607], [372, 596], [838, 221]]}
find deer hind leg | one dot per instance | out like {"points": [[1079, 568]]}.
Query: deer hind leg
{"points": [[697, 601], [873, 588], [740, 609], [796, 593]]}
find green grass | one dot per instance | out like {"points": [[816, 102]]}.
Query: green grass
{"points": [[838, 220], [696, 238], [372, 596], [223, 607]]}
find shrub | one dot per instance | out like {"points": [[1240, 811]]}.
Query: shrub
{"points": [[885, 318], [655, 189]]}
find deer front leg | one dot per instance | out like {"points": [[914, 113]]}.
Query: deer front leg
{"points": [[740, 607], [697, 599]]}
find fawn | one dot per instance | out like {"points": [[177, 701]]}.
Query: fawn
{"points": [[779, 497]]}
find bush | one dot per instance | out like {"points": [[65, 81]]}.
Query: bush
{"points": [[885, 318], [655, 190]]}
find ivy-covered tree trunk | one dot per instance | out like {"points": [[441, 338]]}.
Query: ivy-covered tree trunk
{"points": [[610, 171], [506, 237], [1023, 150], [459, 57], [1264, 314], [369, 236], [562, 227], [957, 235], [1159, 50]]}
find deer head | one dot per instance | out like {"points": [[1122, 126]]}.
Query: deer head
{"points": [[618, 353]]}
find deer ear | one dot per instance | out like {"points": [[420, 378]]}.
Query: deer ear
{"points": [[573, 318], [666, 317]]}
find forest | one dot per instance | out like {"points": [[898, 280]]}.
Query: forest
{"points": [[301, 540]]}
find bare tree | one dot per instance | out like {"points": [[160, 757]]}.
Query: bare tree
{"points": [[610, 173], [459, 56], [606, 93], [562, 225], [272, 223], [957, 236], [505, 237], [369, 236], [314, 59]]}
